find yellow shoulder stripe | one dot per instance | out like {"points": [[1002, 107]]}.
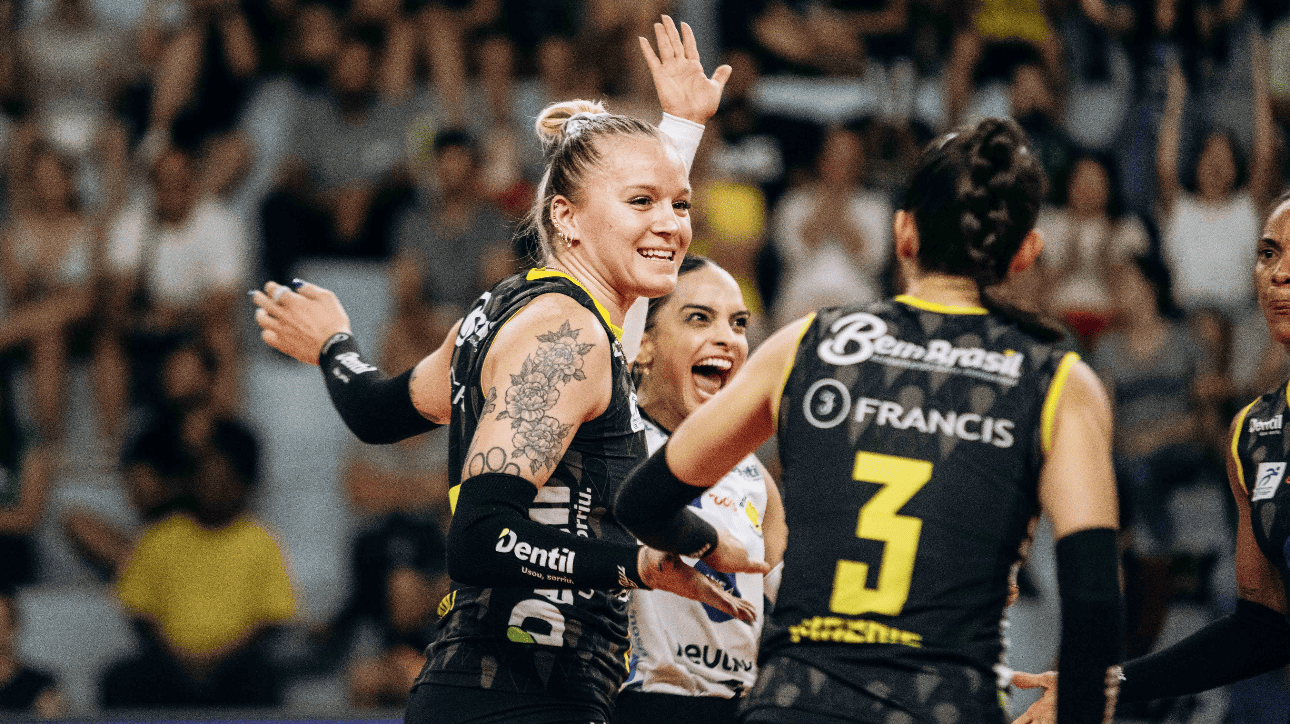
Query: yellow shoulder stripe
{"points": [[927, 306], [453, 493], [544, 273], [1237, 426], [1048, 413], [788, 369]]}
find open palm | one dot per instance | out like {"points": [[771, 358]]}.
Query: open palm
{"points": [[684, 90]]}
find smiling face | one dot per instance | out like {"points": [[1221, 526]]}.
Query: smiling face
{"points": [[631, 221], [1272, 274], [696, 343]]}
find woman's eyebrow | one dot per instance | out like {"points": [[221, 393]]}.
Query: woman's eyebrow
{"points": [[700, 307]]}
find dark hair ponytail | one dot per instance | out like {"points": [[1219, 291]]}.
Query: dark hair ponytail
{"points": [[975, 195]]}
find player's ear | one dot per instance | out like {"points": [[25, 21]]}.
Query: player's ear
{"points": [[1031, 247], [905, 233]]}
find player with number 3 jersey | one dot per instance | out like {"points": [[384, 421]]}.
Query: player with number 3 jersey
{"points": [[918, 437]]}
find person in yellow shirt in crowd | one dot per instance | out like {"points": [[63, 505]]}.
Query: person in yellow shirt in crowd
{"points": [[205, 586]]}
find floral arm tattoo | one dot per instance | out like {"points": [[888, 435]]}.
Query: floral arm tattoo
{"points": [[531, 395]]}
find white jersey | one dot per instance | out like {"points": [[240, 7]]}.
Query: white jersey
{"points": [[684, 647]]}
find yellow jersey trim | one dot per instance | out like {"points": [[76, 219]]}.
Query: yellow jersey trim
{"points": [[545, 273], [453, 493], [788, 370], [1236, 437], [1048, 413], [938, 308]]}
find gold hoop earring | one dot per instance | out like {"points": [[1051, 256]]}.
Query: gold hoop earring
{"points": [[564, 239]]}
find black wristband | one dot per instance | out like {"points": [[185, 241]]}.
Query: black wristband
{"points": [[1251, 641], [1088, 582], [377, 409], [654, 505], [492, 542]]}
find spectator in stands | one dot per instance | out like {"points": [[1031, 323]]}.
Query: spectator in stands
{"points": [[79, 66], [998, 36], [205, 587], [24, 691], [397, 56], [832, 233], [312, 44], [48, 258], [160, 459], [1035, 105], [744, 147], [447, 237], [1210, 224], [24, 486], [1151, 365], [811, 37], [179, 262], [399, 577], [345, 180], [1084, 239], [203, 68]]}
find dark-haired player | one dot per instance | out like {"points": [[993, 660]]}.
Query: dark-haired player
{"points": [[1255, 638], [918, 437]]}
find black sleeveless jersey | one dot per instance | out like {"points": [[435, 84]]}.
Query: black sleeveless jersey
{"points": [[911, 436], [1261, 448], [564, 643]]}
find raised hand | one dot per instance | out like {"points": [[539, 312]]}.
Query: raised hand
{"points": [[730, 556], [667, 572], [298, 322], [684, 90]]}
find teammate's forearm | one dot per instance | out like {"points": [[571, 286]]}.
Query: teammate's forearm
{"points": [[655, 506], [492, 542], [1251, 641], [1087, 568], [376, 408]]}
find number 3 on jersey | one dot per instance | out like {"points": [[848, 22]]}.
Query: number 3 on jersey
{"points": [[879, 520]]}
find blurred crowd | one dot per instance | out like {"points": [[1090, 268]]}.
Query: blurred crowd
{"points": [[160, 157]]}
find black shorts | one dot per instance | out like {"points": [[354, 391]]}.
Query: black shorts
{"points": [[640, 707], [440, 704]]}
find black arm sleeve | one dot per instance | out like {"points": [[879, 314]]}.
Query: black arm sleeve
{"points": [[1088, 582], [492, 542], [654, 505], [376, 408], [1252, 641]]}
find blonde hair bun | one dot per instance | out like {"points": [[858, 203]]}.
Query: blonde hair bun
{"points": [[552, 122]]}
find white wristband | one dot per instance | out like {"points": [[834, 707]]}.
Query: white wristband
{"points": [[685, 134]]}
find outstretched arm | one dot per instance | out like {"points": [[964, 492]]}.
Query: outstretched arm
{"points": [[308, 323], [1253, 640]]}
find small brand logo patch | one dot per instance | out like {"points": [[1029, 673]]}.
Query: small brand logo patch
{"points": [[1270, 426], [1267, 479]]}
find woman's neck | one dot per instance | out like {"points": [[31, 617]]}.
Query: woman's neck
{"points": [[657, 408], [952, 291], [614, 302]]}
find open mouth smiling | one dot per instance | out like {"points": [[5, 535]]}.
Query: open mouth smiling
{"points": [[711, 374], [657, 254]]}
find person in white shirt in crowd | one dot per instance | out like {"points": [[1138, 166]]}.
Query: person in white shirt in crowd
{"points": [[1084, 239], [1208, 231], [178, 260], [689, 661], [832, 233]]}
